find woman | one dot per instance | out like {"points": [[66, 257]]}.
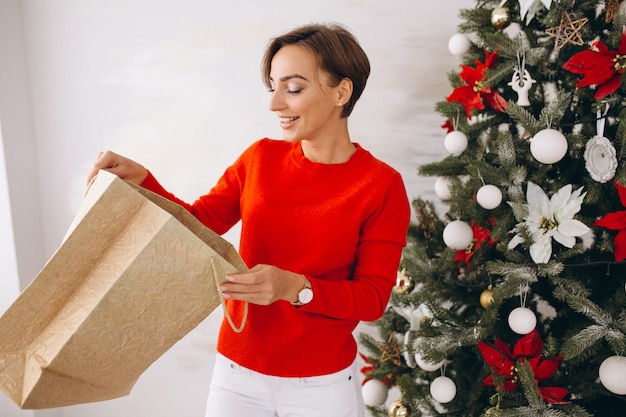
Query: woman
{"points": [[323, 227]]}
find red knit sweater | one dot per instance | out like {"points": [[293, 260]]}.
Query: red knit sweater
{"points": [[341, 225]]}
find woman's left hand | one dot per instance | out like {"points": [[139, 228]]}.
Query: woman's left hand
{"points": [[263, 285]]}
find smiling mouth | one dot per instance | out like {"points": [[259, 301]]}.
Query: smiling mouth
{"points": [[288, 119]]}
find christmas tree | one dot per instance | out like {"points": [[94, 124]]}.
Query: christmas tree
{"points": [[511, 298]]}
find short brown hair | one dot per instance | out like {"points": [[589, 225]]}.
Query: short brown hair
{"points": [[337, 51]]}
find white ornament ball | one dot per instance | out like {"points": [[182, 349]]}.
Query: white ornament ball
{"points": [[455, 142], [522, 320], [442, 188], [613, 374], [548, 146], [375, 393], [489, 196], [458, 235], [443, 389], [425, 365], [459, 44]]}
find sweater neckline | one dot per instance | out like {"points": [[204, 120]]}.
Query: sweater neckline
{"points": [[301, 160]]}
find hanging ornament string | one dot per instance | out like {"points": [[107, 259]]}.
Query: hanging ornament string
{"points": [[549, 121], [455, 122], [443, 367], [523, 295], [601, 121], [480, 176]]}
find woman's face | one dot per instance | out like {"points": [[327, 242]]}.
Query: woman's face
{"points": [[301, 96]]}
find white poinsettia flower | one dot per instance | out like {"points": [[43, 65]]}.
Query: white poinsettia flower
{"points": [[551, 219]]}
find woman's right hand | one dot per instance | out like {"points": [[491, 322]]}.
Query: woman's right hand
{"points": [[125, 168]]}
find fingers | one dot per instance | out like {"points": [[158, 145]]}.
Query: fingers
{"points": [[252, 292], [257, 286], [240, 284], [104, 160], [124, 168], [263, 284]]}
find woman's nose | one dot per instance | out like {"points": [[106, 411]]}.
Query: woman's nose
{"points": [[276, 102]]}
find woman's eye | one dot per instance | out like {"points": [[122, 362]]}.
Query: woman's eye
{"points": [[287, 89], [293, 88]]}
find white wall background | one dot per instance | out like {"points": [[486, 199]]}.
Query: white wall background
{"points": [[176, 85]]}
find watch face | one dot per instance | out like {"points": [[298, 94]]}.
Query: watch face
{"points": [[305, 296]]}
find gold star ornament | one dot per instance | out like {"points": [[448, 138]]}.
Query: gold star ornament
{"points": [[611, 9], [568, 31], [390, 351]]}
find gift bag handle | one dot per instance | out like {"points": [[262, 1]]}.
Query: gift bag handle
{"points": [[226, 313]]}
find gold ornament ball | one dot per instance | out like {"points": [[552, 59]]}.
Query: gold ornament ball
{"points": [[396, 409], [486, 298], [500, 17]]}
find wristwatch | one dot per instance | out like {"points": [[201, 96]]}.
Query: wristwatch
{"points": [[305, 295]]}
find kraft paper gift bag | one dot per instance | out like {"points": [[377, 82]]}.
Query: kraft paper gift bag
{"points": [[134, 274]]}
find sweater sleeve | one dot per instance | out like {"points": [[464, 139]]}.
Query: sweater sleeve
{"points": [[383, 237]]}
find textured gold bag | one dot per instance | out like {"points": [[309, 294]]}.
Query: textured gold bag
{"points": [[134, 274]]}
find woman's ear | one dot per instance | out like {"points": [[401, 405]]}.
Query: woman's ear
{"points": [[344, 90]]}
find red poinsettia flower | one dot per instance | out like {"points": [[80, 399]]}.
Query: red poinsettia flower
{"points": [[448, 126], [471, 94], [481, 238], [601, 67], [370, 366], [617, 221], [502, 362]]}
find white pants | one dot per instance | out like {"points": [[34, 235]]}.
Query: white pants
{"points": [[240, 392]]}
